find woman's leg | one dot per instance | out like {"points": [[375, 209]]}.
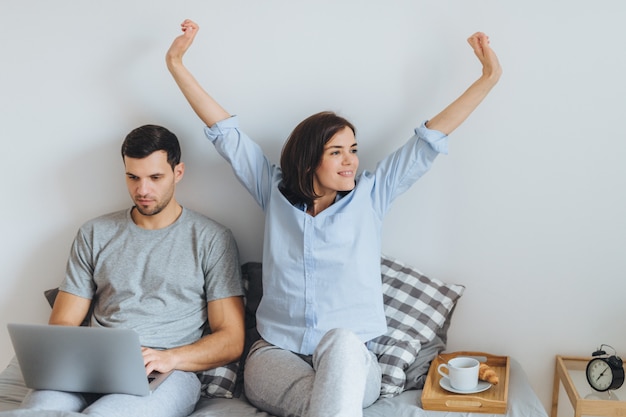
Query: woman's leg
{"points": [[277, 381], [347, 376], [340, 379]]}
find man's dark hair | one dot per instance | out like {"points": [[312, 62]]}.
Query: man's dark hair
{"points": [[145, 140], [303, 152]]}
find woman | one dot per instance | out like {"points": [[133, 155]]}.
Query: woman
{"points": [[322, 298]]}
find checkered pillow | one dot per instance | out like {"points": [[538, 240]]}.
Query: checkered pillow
{"points": [[416, 307], [219, 382]]}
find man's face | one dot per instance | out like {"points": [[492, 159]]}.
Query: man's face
{"points": [[151, 182]]}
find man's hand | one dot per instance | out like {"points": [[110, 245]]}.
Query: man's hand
{"points": [[157, 360], [222, 346]]}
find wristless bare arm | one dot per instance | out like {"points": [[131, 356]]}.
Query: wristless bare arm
{"points": [[69, 309]]}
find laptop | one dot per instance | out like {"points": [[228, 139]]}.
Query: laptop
{"points": [[82, 359]]}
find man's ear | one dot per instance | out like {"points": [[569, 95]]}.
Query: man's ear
{"points": [[179, 171]]}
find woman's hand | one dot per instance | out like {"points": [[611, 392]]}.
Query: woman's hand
{"points": [[182, 43], [452, 116], [209, 111], [491, 66]]}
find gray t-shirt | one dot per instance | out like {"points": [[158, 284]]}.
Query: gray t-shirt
{"points": [[157, 282]]}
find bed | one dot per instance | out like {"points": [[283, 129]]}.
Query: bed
{"points": [[418, 309]]}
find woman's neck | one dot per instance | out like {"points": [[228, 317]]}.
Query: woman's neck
{"points": [[320, 204]]}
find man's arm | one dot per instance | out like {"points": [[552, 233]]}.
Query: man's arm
{"points": [[209, 111], [69, 309], [452, 116], [222, 346]]}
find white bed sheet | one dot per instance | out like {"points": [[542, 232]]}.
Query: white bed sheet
{"points": [[523, 402]]}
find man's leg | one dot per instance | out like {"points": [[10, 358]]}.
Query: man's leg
{"points": [[54, 400], [176, 396]]}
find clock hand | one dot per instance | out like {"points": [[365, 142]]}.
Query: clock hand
{"points": [[600, 376]]}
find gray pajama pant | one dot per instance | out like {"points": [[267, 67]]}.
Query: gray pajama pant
{"points": [[176, 396], [340, 379]]}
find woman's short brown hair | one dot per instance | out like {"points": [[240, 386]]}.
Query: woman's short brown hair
{"points": [[302, 154]]}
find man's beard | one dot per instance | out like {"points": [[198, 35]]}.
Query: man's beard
{"points": [[153, 212]]}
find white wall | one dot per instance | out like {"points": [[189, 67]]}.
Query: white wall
{"points": [[527, 211]]}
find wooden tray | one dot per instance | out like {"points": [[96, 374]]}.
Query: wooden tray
{"points": [[494, 400]]}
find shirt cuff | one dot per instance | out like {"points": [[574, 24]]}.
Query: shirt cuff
{"points": [[436, 139], [220, 128]]}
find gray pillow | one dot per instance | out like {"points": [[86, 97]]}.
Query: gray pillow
{"points": [[417, 371]]}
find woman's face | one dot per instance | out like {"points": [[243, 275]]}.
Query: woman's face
{"points": [[339, 164]]}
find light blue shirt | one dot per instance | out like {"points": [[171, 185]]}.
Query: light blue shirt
{"points": [[323, 272]]}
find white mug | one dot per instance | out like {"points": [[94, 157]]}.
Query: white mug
{"points": [[462, 372]]}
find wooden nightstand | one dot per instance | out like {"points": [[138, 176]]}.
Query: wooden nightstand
{"points": [[570, 371]]}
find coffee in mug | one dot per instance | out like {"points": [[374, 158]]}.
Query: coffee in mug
{"points": [[462, 372]]}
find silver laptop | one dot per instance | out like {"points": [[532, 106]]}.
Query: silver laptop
{"points": [[82, 359]]}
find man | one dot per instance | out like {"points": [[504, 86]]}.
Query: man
{"points": [[160, 269]]}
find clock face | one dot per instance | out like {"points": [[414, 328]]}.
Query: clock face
{"points": [[599, 375]]}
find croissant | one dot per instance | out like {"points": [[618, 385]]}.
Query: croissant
{"points": [[486, 373]]}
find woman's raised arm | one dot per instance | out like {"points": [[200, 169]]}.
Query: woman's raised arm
{"points": [[452, 116], [209, 110]]}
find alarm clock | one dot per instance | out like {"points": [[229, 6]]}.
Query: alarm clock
{"points": [[605, 372]]}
